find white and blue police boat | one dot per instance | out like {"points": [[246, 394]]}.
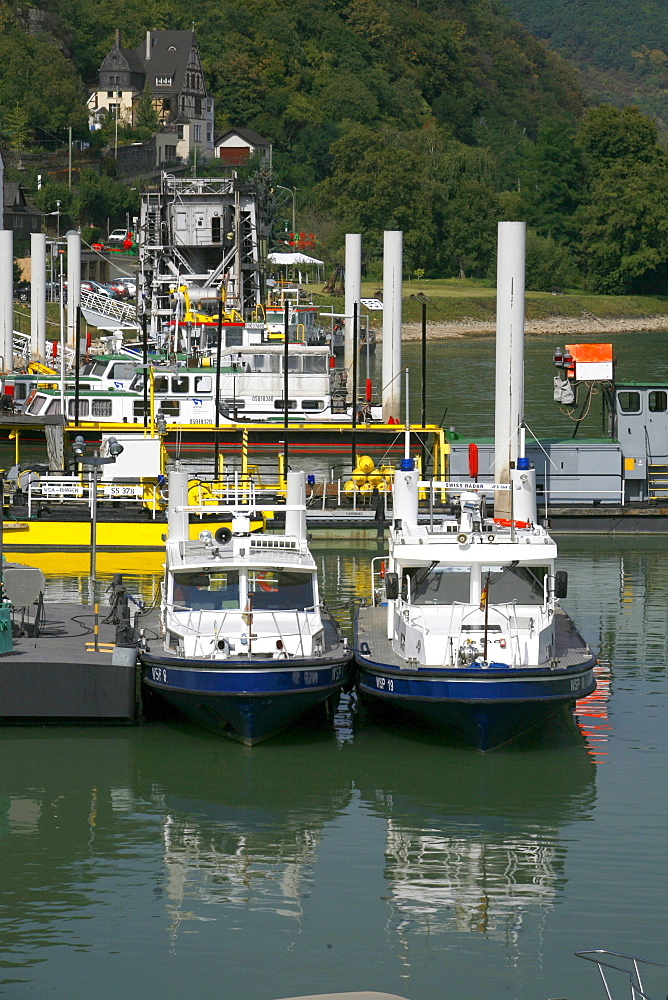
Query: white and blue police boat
{"points": [[246, 647], [464, 633]]}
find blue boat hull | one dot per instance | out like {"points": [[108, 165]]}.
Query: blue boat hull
{"points": [[483, 708], [246, 702]]}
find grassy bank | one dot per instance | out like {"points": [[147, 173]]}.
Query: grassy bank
{"points": [[461, 301]]}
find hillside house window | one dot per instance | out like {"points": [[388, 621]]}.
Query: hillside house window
{"points": [[198, 133], [166, 104], [198, 107], [163, 81]]}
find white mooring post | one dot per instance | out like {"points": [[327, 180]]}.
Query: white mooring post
{"points": [[353, 288], [392, 269], [177, 520], [38, 296], [295, 520], [73, 284], [509, 390], [7, 298]]}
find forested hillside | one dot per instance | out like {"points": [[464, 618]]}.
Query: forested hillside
{"points": [[434, 118], [620, 46]]}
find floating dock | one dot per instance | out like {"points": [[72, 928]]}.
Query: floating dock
{"points": [[54, 674]]}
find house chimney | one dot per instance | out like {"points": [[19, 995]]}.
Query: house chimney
{"points": [[118, 38], [148, 45]]}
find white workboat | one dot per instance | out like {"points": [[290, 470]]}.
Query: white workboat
{"points": [[466, 634], [246, 647], [252, 387]]}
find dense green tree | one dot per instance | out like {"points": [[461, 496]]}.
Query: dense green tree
{"points": [[624, 228], [549, 265]]}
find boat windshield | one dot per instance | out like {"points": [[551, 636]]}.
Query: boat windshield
{"points": [[280, 590], [206, 591], [439, 585], [523, 584]]}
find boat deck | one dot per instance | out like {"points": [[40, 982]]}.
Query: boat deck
{"points": [[571, 649], [150, 622]]}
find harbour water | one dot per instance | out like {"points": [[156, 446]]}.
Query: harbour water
{"points": [[165, 863]]}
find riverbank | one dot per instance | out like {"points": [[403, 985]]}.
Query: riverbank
{"points": [[557, 326]]}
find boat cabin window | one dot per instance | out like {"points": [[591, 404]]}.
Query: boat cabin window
{"points": [[180, 383], [83, 408], [315, 364], [313, 404], [264, 362], [206, 591], [160, 383], [523, 584], [54, 408], [37, 404], [280, 590], [122, 370], [234, 336], [658, 401], [294, 364], [629, 401], [233, 404], [100, 407], [441, 585], [170, 407], [202, 383], [278, 404]]}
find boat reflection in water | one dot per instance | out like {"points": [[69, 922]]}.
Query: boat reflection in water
{"points": [[473, 842], [178, 819], [245, 834]]}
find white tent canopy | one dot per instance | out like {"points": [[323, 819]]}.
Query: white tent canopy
{"points": [[292, 258]]}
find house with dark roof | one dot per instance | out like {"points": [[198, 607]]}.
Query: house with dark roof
{"points": [[236, 146], [167, 65], [18, 213]]}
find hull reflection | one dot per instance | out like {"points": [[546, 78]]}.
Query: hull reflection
{"points": [[473, 843]]}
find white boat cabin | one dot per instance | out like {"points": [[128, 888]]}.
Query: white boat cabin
{"points": [[254, 596]]}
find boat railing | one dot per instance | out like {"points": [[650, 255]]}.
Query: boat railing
{"points": [[631, 970], [286, 623], [68, 489]]}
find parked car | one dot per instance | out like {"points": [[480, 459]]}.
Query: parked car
{"points": [[130, 284], [119, 236], [124, 289], [99, 289]]}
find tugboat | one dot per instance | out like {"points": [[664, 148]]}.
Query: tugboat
{"points": [[466, 634], [246, 645]]}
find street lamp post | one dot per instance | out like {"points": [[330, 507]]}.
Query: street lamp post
{"points": [[292, 192], [79, 449]]}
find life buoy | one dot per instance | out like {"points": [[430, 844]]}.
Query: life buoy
{"points": [[504, 522], [264, 584]]}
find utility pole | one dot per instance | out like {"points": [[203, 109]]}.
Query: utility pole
{"points": [[69, 158], [116, 136]]}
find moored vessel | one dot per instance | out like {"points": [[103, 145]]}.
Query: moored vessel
{"points": [[246, 647]]}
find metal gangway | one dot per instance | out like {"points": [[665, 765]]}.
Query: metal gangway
{"points": [[108, 314]]}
